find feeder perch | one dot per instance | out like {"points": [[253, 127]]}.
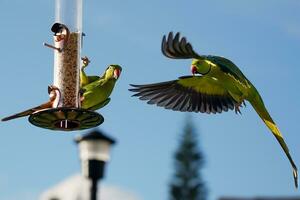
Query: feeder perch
{"points": [[67, 115]]}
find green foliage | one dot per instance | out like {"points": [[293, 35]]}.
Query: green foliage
{"points": [[187, 183]]}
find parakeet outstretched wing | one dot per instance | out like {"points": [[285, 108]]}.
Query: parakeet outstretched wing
{"points": [[177, 48], [188, 93]]}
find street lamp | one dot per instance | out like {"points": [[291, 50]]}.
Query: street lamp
{"points": [[94, 148]]}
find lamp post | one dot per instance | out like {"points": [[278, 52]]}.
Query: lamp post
{"points": [[94, 148]]}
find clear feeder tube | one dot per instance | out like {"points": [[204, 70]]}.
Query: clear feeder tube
{"points": [[67, 58]]}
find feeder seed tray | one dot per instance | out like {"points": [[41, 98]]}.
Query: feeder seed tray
{"points": [[66, 119]]}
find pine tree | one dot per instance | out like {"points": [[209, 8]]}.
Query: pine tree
{"points": [[187, 183]]}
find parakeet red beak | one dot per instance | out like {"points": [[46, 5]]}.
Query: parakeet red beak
{"points": [[193, 69], [117, 73]]}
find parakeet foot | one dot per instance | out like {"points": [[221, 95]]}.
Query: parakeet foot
{"points": [[237, 107], [85, 62], [244, 103], [81, 92]]}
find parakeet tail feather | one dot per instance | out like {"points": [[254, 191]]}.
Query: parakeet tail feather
{"points": [[258, 105]]}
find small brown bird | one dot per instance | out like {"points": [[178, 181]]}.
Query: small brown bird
{"points": [[61, 32]]}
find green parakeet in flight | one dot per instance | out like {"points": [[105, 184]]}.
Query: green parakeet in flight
{"points": [[94, 95], [216, 85]]}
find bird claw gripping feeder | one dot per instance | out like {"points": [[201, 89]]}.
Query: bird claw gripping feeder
{"points": [[66, 113]]}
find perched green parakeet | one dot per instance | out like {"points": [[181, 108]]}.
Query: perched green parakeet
{"points": [[94, 95], [221, 86]]}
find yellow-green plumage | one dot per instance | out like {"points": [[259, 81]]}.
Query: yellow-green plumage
{"points": [[96, 94], [84, 79], [221, 87]]}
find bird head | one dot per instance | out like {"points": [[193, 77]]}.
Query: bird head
{"points": [[200, 67], [61, 32], [113, 72]]}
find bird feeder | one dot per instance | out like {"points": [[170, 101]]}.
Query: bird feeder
{"points": [[66, 114]]}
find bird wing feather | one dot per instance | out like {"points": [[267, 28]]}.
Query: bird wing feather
{"points": [[187, 94], [177, 48], [93, 85]]}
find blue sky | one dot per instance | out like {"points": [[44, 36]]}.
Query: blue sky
{"points": [[242, 158]]}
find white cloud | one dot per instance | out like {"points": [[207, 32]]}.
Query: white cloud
{"points": [[77, 188]]}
